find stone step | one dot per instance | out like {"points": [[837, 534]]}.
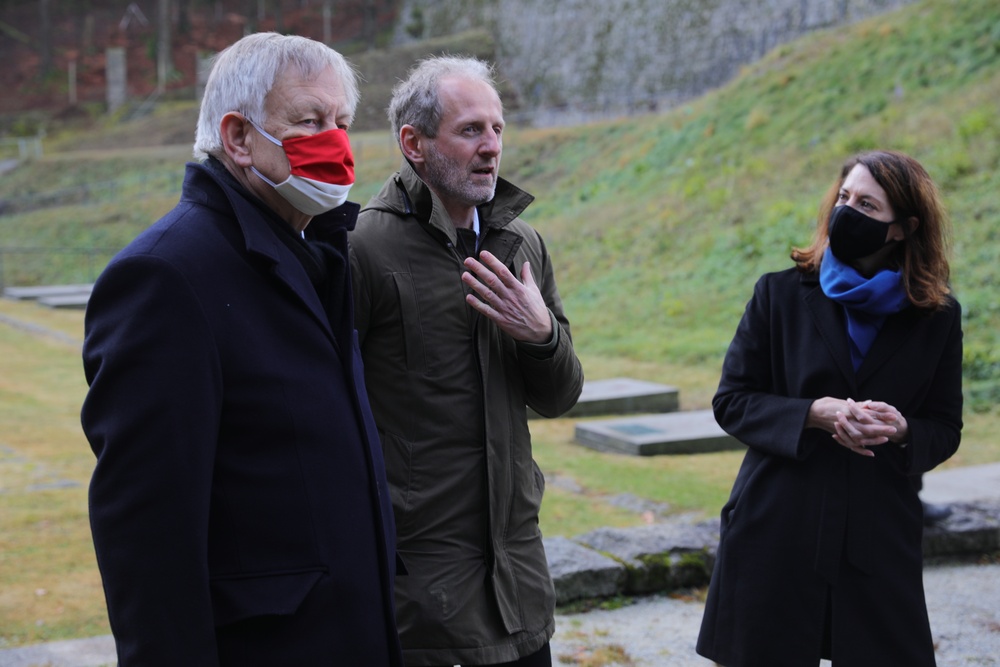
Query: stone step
{"points": [[679, 552]]}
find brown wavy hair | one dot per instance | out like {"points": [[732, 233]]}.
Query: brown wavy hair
{"points": [[923, 255]]}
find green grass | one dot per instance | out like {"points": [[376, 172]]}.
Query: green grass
{"points": [[658, 226], [49, 584]]}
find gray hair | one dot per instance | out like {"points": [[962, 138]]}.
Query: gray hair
{"points": [[244, 73], [416, 101]]}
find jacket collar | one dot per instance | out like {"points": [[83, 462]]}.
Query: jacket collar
{"points": [[406, 194]]}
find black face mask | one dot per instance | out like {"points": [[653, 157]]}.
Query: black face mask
{"points": [[854, 235]]}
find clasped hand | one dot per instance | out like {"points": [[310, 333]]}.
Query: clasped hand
{"points": [[858, 425], [515, 305]]}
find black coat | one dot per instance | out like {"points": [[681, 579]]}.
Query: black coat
{"points": [[239, 506], [812, 528]]}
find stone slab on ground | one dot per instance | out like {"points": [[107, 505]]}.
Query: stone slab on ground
{"points": [[43, 291], [688, 432], [66, 301], [623, 396]]}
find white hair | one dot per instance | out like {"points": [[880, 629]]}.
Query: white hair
{"points": [[244, 73]]}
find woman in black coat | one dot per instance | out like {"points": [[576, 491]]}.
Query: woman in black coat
{"points": [[844, 380]]}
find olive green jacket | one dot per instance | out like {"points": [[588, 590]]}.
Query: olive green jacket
{"points": [[449, 392]]}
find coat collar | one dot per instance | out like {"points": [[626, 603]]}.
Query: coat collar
{"points": [[259, 237], [406, 194]]}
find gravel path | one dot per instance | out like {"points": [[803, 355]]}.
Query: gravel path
{"points": [[963, 603], [658, 631]]}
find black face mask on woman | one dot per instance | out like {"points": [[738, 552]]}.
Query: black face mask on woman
{"points": [[854, 235]]}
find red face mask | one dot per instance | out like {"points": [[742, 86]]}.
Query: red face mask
{"points": [[325, 157], [322, 170]]}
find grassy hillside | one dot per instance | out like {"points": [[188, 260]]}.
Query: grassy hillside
{"points": [[659, 224]]}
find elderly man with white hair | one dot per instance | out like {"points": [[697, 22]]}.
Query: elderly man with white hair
{"points": [[239, 504]]}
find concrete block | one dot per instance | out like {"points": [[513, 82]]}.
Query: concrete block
{"points": [[622, 396], [41, 291], [70, 301]]}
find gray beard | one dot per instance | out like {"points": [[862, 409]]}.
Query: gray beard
{"points": [[449, 179]]}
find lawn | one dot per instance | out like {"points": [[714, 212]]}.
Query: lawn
{"points": [[49, 583]]}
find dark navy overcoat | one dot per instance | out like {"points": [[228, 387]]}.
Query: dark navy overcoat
{"points": [[239, 506]]}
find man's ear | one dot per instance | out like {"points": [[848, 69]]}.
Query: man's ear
{"points": [[412, 144], [235, 129]]}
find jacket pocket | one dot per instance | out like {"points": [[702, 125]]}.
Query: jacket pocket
{"points": [[410, 321], [239, 597]]}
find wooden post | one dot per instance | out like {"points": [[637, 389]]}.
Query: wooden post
{"points": [[72, 83], [116, 77]]}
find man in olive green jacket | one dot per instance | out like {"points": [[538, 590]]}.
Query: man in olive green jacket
{"points": [[461, 328]]}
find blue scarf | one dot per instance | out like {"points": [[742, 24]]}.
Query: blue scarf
{"points": [[867, 301]]}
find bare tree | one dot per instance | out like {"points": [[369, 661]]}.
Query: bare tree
{"points": [[279, 17], [183, 17], [369, 25], [45, 39], [327, 22], [252, 9]]}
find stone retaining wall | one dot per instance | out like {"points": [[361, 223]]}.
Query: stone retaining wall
{"points": [[679, 553]]}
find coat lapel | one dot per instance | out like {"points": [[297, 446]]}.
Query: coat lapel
{"points": [[286, 268], [896, 330], [829, 320]]}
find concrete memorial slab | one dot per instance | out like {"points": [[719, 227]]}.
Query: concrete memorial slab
{"points": [[71, 301], [44, 291], [621, 396], [688, 432]]}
